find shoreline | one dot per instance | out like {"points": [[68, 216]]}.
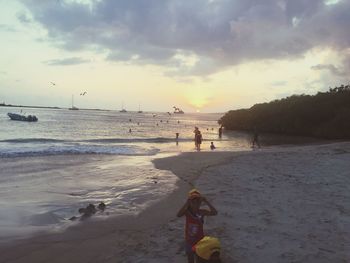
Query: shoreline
{"points": [[100, 235], [236, 183]]}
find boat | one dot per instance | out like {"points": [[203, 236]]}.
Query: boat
{"points": [[19, 117], [178, 110], [73, 107], [139, 111], [123, 110]]}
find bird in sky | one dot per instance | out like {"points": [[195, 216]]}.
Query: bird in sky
{"points": [[53, 83], [83, 93]]}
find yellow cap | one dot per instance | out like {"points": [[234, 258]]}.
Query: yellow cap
{"points": [[207, 246], [193, 194]]}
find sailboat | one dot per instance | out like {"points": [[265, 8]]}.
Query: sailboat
{"points": [[139, 111], [123, 110], [73, 107]]}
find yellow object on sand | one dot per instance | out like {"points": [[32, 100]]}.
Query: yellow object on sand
{"points": [[194, 193], [207, 246]]}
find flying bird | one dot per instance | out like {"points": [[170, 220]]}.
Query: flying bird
{"points": [[53, 83], [82, 94]]}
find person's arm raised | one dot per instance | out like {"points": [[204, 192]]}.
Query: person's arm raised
{"points": [[183, 209], [212, 211]]}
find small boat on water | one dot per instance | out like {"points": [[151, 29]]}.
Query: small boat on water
{"points": [[123, 110], [139, 111], [178, 110], [73, 107], [19, 117]]}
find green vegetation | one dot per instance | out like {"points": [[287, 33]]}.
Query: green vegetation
{"points": [[324, 115]]}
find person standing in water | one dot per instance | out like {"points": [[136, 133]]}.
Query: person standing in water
{"points": [[255, 138], [196, 130], [177, 138], [198, 139]]}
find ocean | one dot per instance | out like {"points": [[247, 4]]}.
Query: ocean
{"points": [[68, 159]]}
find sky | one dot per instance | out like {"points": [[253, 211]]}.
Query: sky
{"points": [[198, 55]]}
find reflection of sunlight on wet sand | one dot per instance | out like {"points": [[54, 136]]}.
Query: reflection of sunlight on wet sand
{"points": [[126, 184], [123, 161]]}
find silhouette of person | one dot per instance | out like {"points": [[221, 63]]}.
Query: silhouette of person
{"points": [[220, 132], [255, 138], [196, 130], [198, 139], [212, 146]]}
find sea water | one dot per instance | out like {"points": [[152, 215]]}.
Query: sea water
{"points": [[116, 168]]}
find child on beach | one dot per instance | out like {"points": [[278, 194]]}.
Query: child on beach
{"points": [[212, 146], [194, 220]]}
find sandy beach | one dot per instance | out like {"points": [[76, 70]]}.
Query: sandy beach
{"points": [[277, 204]]}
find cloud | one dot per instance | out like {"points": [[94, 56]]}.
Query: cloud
{"points": [[23, 17], [333, 69], [346, 63], [220, 33], [7, 28], [279, 83], [66, 61]]}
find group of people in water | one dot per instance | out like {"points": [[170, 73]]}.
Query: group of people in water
{"points": [[198, 138], [157, 124]]}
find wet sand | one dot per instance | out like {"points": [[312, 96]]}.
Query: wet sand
{"points": [[277, 204]]}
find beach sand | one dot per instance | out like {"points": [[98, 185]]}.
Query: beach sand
{"points": [[278, 204]]}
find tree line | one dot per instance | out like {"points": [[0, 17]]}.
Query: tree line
{"points": [[324, 115]]}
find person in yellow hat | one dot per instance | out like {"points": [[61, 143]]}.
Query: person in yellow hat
{"points": [[195, 220], [207, 250]]}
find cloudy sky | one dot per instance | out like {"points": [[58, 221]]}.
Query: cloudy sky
{"points": [[200, 55]]}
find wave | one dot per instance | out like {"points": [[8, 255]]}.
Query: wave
{"points": [[131, 140], [107, 140], [128, 150], [43, 219], [31, 140]]}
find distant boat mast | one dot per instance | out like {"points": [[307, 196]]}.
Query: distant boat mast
{"points": [[140, 111], [73, 107], [123, 110]]}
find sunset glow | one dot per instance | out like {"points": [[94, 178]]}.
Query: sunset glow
{"points": [[169, 58]]}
